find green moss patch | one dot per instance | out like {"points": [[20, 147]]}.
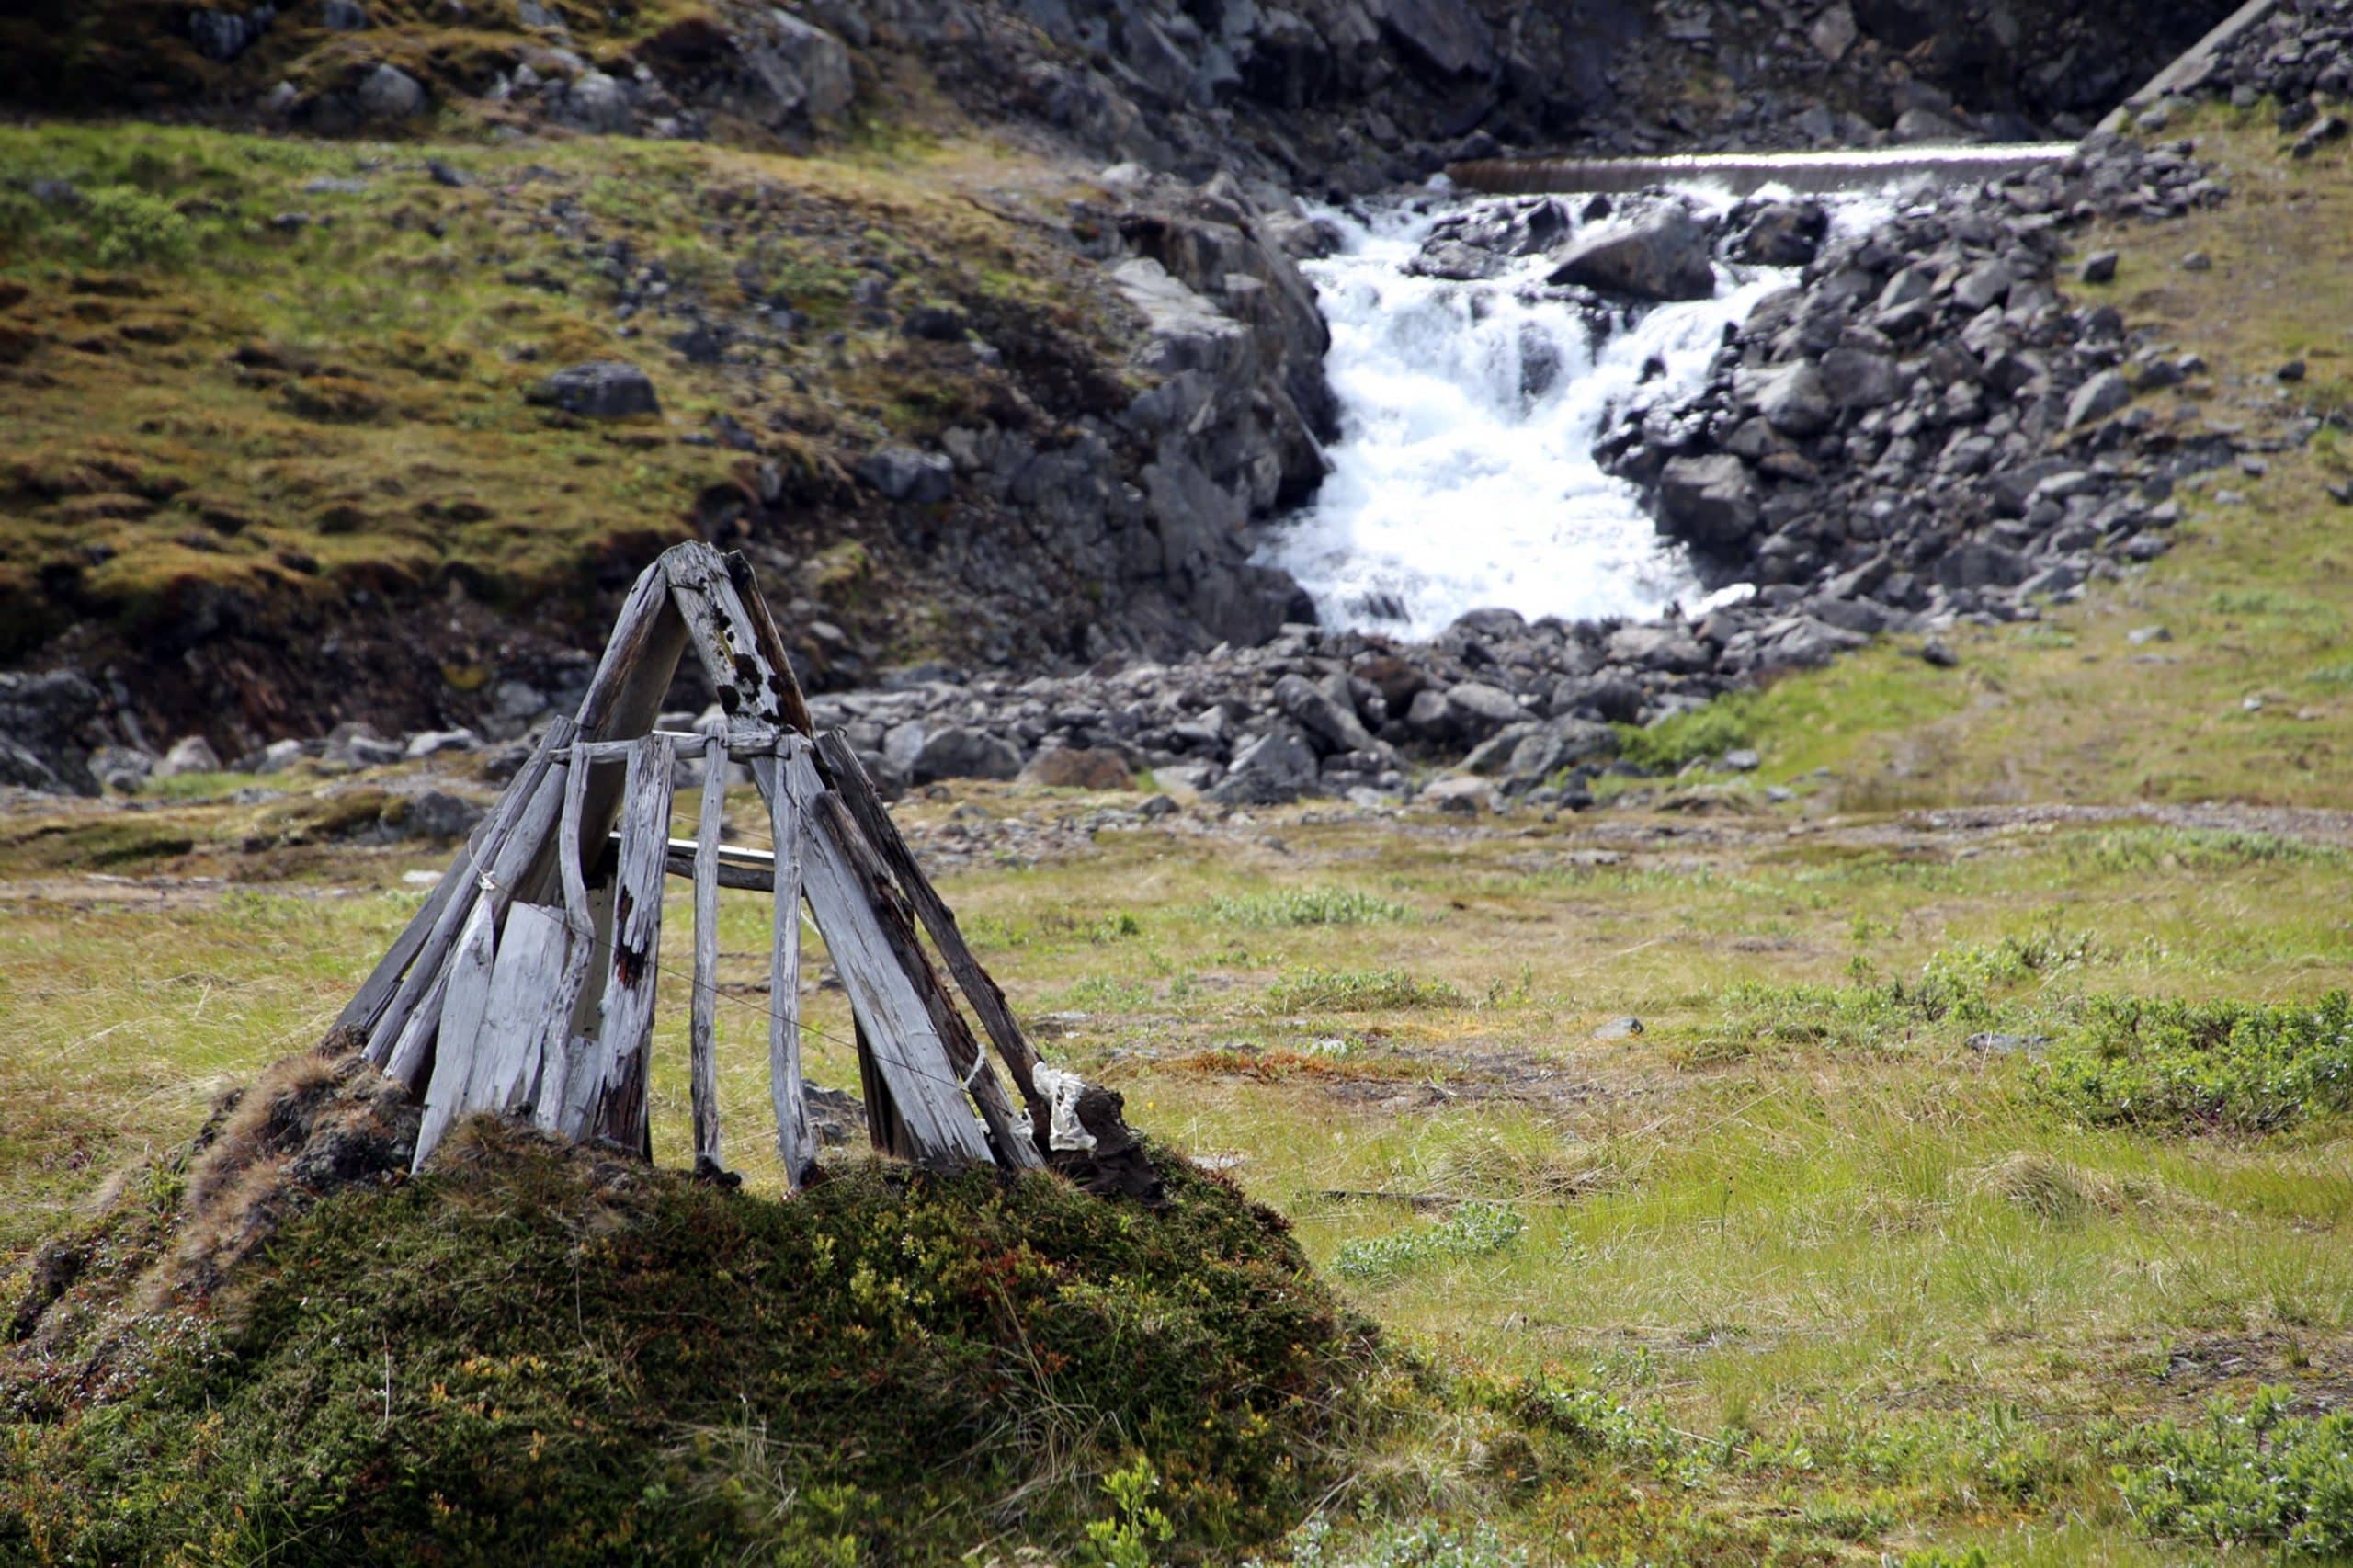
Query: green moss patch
{"points": [[535, 1354]]}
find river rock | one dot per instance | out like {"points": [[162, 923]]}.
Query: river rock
{"points": [[960, 752], [1324, 715], [1711, 500], [1663, 256]]}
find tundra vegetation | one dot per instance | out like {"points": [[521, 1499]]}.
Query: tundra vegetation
{"points": [[1976, 1190]]}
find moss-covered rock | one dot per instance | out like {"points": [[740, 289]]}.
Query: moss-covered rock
{"points": [[535, 1354]]}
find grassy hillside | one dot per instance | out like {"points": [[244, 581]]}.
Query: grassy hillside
{"points": [[257, 384]]}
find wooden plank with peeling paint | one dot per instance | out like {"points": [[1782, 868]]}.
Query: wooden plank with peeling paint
{"points": [[619, 1112]]}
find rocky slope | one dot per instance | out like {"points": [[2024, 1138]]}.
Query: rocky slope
{"points": [[1088, 488]]}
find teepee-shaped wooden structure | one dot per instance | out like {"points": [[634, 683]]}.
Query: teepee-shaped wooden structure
{"points": [[526, 984]]}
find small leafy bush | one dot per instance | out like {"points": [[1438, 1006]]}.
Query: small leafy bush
{"points": [[1475, 1230], [1307, 906], [1360, 990], [2251, 1475], [2199, 849], [1426, 1544], [1677, 741], [2233, 1066], [128, 227]]}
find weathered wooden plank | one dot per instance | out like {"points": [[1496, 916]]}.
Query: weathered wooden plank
{"points": [[1007, 1137], [904, 1045], [533, 829], [842, 770], [699, 584], [703, 1044], [792, 707], [510, 1045], [745, 741], [796, 1145], [619, 1112], [366, 1003], [423, 972], [560, 1057], [736, 638], [464, 1002]]}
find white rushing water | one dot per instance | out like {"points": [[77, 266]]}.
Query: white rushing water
{"points": [[1463, 476]]}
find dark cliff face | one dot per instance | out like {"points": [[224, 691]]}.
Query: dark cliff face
{"points": [[1356, 94]]}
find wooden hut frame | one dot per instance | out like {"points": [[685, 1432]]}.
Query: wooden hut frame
{"points": [[526, 984]]}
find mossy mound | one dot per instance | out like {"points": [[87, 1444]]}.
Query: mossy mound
{"points": [[532, 1353]]}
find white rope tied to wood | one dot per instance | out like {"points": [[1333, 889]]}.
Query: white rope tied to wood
{"points": [[1061, 1091]]}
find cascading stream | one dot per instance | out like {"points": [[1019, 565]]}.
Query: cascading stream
{"points": [[1463, 477]]}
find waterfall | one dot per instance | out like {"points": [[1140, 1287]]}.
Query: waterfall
{"points": [[1464, 476]]}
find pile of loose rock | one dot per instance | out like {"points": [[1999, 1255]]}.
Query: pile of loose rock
{"points": [[2298, 55], [1922, 427]]}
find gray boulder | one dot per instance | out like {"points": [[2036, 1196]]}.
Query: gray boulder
{"points": [[343, 16], [1273, 769], [20, 769], [1796, 403], [1444, 37], [1663, 257], [1781, 234], [960, 753], [902, 474], [437, 814], [1464, 715], [2098, 398], [1322, 714], [189, 753], [600, 389], [222, 35], [1856, 378], [122, 768], [390, 92], [792, 70], [1668, 648], [1711, 500]]}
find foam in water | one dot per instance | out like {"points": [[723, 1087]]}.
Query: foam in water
{"points": [[1463, 476]]}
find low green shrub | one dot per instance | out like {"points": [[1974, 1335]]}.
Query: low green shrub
{"points": [[1359, 989], [2233, 1066], [1475, 1230], [2248, 1474], [1702, 735], [1306, 906]]}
